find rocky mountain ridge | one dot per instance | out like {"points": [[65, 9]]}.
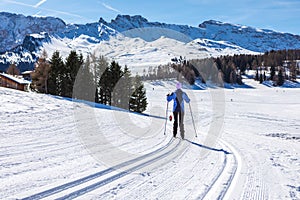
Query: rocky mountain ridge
{"points": [[23, 37]]}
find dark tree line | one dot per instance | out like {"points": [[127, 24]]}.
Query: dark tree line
{"points": [[275, 60], [179, 70], [229, 69], [251, 62], [161, 72], [185, 69], [93, 79]]}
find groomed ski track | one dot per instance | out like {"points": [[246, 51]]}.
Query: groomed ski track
{"points": [[212, 169], [216, 189], [111, 174], [42, 156]]}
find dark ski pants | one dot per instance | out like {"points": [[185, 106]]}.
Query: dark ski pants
{"points": [[179, 115]]}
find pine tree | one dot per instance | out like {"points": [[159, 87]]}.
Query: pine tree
{"points": [[125, 84], [261, 78], [116, 91], [280, 78], [293, 72], [72, 65], [138, 100], [272, 73], [256, 75], [103, 87], [55, 74], [84, 85], [100, 65]]}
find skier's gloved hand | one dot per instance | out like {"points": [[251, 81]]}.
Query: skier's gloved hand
{"points": [[168, 95]]}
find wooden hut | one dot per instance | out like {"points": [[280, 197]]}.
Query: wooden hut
{"points": [[13, 82]]}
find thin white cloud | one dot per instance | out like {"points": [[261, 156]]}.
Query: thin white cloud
{"points": [[110, 8], [37, 14], [39, 3], [45, 9], [18, 3], [287, 3]]}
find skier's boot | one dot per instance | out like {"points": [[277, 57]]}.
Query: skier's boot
{"points": [[182, 134]]}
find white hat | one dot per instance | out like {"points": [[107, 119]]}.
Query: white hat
{"points": [[178, 85]]}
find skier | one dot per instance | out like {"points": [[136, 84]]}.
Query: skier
{"points": [[178, 108]]}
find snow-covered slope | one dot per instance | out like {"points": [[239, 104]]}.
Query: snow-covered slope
{"points": [[53, 148], [22, 39]]}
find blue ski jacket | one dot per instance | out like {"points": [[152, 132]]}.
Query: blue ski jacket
{"points": [[179, 97]]}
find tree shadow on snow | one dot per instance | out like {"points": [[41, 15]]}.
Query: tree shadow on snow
{"points": [[106, 107], [209, 148]]}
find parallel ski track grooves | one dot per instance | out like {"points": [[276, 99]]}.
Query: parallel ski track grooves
{"points": [[117, 176], [229, 181], [77, 182]]}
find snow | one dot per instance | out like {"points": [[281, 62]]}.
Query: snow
{"points": [[54, 147], [16, 79]]}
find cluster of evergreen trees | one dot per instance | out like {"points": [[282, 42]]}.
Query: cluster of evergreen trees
{"points": [[190, 70], [271, 60], [93, 79], [187, 70], [114, 86], [230, 69], [252, 62], [161, 72]]}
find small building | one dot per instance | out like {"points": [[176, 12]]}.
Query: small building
{"points": [[27, 75], [13, 82]]}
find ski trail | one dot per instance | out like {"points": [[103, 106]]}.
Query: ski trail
{"points": [[236, 170], [77, 182], [225, 180], [175, 181], [128, 171]]}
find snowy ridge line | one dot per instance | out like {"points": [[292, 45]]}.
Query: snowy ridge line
{"points": [[222, 181], [77, 182], [108, 180]]}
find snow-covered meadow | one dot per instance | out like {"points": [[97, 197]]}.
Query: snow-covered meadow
{"points": [[54, 148]]}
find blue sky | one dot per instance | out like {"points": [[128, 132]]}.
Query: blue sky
{"points": [[278, 15]]}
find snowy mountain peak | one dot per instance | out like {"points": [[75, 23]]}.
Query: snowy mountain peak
{"points": [[23, 37], [210, 22], [15, 27], [133, 19], [126, 22]]}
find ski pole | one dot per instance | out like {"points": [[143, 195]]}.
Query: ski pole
{"points": [[166, 118], [193, 120]]}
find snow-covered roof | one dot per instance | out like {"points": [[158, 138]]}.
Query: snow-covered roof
{"points": [[17, 80], [26, 72]]}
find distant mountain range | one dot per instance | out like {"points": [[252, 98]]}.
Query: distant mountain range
{"points": [[131, 40]]}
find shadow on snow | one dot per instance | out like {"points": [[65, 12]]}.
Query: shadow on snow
{"points": [[106, 107], [209, 148]]}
